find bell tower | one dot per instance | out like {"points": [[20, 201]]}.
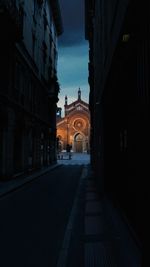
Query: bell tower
{"points": [[66, 104], [79, 94], [66, 100]]}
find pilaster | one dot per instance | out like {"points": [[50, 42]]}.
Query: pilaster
{"points": [[8, 147]]}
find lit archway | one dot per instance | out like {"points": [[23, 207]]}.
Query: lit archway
{"points": [[78, 143]]}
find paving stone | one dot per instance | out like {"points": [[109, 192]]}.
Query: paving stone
{"points": [[90, 188], [91, 196], [93, 225], [93, 207], [95, 255], [90, 183]]}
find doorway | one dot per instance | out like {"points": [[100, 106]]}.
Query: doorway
{"points": [[78, 143]]}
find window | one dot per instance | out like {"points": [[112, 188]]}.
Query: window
{"points": [[79, 108]]}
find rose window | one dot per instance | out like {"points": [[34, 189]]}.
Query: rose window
{"points": [[78, 124]]}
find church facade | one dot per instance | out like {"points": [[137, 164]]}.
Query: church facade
{"points": [[74, 127]]}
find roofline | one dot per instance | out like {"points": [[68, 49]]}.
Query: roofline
{"points": [[56, 11], [80, 101], [74, 112]]}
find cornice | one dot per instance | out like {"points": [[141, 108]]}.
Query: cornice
{"points": [[56, 11]]}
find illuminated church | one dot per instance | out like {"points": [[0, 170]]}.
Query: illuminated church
{"points": [[74, 127]]}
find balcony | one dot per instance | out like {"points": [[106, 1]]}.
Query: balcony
{"points": [[11, 20]]}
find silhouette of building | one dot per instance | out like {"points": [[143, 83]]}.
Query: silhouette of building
{"points": [[74, 127], [28, 84], [119, 71]]}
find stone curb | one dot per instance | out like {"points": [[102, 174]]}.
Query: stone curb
{"points": [[64, 251]]}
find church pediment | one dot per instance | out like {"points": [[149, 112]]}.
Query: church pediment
{"points": [[77, 106]]}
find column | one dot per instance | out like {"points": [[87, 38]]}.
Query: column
{"points": [[27, 161], [8, 146], [36, 147], [45, 150]]}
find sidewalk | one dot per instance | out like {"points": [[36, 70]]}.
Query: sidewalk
{"points": [[99, 237], [12, 185]]}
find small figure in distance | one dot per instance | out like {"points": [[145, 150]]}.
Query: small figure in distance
{"points": [[68, 149]]}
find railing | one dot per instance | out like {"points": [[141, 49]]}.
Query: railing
{"points": [[64, 155], [9, 8]]}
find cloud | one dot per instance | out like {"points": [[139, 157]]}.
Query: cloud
{"points": [[72, 53], [71, 39], [73, 66], [80, 50], [73, 21]]}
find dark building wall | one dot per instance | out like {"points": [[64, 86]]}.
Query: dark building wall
{"points": [[119, 100], [28, 84]]}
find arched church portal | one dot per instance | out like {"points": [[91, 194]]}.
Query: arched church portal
{"points": [[78, 143]]}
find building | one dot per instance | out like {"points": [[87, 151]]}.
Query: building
{"points": [[74, 127], [119, 71], [28, 84]]}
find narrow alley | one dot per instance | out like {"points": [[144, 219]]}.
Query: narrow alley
{"points": [[57, 219], [74, 133]]}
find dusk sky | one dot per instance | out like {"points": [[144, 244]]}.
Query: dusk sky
{"points": [[73, 53]]}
